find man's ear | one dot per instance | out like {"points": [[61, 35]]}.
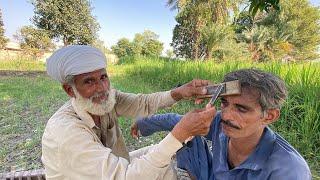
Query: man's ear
{"points": [[271, 115], [68, 89]]}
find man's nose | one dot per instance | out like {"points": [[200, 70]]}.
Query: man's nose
{"points": [[226, 113], [102, 86]]}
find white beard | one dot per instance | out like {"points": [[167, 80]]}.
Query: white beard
{"points": [[99, 109]]}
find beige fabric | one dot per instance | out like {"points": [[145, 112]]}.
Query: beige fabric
{"points": [[74, 148], [170, 172]]}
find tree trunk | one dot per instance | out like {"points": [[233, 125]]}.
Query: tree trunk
{"points": [[65, 41], [209, 54]]}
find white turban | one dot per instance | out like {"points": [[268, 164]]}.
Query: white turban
{"points": [[74, 60]]}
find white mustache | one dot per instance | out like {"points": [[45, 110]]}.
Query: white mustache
{"points": [[98, 95]]}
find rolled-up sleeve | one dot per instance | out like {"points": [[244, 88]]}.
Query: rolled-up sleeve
{"points": [[156, 123], [81, 157], [141, 105]]}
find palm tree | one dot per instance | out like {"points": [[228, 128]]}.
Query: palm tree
{"points": [[201, 13]]}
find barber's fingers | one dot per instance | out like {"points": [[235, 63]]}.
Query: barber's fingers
{"points": [[134, 131], [208, 112], [199, 82], [198, 101], [208, 106], [199, 90]]}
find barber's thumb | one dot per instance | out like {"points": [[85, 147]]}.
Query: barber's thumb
{"points": [[210, 111], [208, 106]]}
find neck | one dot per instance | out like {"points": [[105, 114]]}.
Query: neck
{"points": [[96, 120]]}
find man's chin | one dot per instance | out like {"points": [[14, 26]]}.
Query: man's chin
{"points": [[98, 109], [93, 108]]}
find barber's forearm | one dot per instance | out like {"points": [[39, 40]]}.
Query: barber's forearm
{"points": [[142, 105], [160, 155]]}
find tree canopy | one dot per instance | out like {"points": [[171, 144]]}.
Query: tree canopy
{"points": [[193, 17], [68, 20], [264, 31], [124, 48], [3, 39], [145, 43], [34, 41]]}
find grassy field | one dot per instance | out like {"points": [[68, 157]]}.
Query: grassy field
{"points": [[29, 98]]}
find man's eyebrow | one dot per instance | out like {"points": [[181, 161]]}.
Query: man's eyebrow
{"points": [[222, 99], [103, 71], [243, 106], [87, 78]]}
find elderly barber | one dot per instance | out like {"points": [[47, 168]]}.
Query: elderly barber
{"points": [[82, 140]]}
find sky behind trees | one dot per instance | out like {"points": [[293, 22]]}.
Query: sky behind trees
{"points": [[117, 18]]}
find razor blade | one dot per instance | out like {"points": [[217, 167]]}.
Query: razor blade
{"points": [[215, 94]]}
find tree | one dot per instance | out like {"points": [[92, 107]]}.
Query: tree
{"points": [[193, 16], [214, 37], [34, 41], [98, 43], [69, 20], [3, 39], [293, 31], [147, 43], [263, 5], [302, 21], [255, 5], [186, 34], [124, 48], [170, 53]]}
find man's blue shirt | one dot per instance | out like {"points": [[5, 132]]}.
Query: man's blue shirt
{"points": [[273, 158]]}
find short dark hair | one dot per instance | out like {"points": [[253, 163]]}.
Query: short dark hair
{"points": [[272, 89], [70, 79]]}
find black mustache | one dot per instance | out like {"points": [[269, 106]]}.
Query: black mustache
{"points": [[228, 123]]}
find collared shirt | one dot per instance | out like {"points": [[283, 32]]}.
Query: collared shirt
{"points": [[74, 148], [273, 158]]}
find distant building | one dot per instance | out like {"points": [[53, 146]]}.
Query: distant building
{"points": [[12, 46], [13, 50]]}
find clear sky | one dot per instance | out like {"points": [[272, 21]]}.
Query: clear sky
{"points": [[117, 18]]}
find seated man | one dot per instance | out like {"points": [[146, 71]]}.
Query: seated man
{"points": [[243, 146], [82, 140]]}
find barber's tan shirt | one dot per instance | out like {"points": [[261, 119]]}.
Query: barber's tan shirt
{"points": [[74, 148]]}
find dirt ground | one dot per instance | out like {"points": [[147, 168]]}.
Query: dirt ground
{"points": [[6, 73]]}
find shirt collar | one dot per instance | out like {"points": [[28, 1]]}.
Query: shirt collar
{"points": [[84, 116], [262, 152]]}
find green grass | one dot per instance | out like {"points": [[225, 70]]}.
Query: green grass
{"points": [[22, 65], [27, 102]]}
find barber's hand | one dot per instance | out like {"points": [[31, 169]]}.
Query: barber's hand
{"points": [[193, 88], [194, 123], [134, 131]]}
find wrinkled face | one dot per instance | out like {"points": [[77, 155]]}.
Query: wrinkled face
{"points": [[242, 115], [92, 92], [93, 85]]}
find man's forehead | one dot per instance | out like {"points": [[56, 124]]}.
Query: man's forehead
{"points": [[99, 71], [248, 95]]}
